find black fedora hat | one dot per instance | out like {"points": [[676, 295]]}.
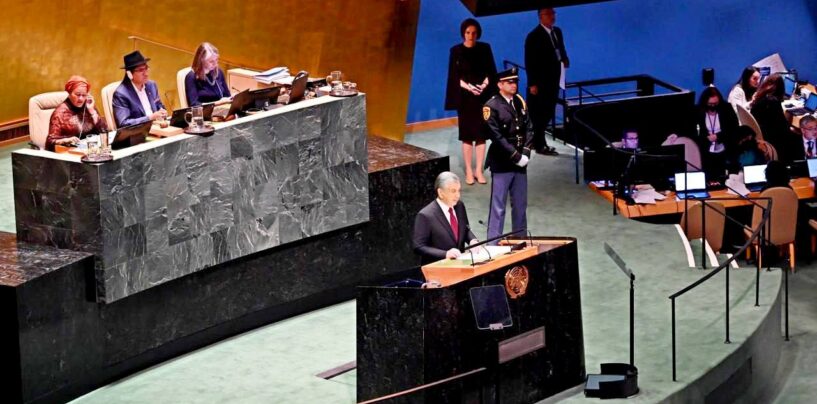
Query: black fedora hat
{"points": [[133, 60]]}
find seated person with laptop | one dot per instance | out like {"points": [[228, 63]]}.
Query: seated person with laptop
{"points": [[777, 175]]}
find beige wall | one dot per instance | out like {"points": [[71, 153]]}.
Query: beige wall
{"points": [[371, 41]]}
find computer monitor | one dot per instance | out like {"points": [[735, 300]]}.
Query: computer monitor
{"points": [[131, 135], [653, 165], [298, 90], [811, 103], [755, 174], [490, 305], [812, 168], [690, 181], [790, 85]]}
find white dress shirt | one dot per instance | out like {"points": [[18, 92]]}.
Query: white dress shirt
{"points": [[143, 98]]}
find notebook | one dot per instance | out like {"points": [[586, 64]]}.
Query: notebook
{"points": [[754, 177], [691, 185]]}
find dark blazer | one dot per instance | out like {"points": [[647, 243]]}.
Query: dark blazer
{"points": [[540, 57], [729, 124], [200, 91], [127, 109], [471, 70], [433, 236]]}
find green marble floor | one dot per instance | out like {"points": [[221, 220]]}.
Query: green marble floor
{"points": [[6, 185], [277, 363]]}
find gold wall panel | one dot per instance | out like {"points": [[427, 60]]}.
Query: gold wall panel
{"points": [[371, 41]]}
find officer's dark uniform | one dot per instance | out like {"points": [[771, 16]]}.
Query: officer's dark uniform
{"points": [[511, 134]]}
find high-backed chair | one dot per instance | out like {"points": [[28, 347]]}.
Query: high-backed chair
{"points": [[692, 154], [781, 230], [767, 149], [107, 103], [746, 118], [692, 223], [181, 87], [40, 108]]}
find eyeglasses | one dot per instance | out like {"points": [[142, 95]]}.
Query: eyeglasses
{"points": [[809, 128], [141, 69], [710, 105]]}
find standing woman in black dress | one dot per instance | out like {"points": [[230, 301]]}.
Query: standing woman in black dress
{"points": [[470, 70]]}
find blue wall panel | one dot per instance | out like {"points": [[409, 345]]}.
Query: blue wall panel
{"points": [[669, 39]]}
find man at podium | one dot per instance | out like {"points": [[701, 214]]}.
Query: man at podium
{"points": [[441, 228]]}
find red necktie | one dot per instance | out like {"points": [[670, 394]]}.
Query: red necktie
{"points": [[455, 226]]}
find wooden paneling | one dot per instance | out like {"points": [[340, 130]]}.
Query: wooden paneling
{"points": [[45, 42]]}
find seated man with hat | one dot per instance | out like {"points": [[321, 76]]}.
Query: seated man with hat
{"points": [[511, 133], [136, 100]]}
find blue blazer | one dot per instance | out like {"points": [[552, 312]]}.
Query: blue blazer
{"points": [[127, 109]]}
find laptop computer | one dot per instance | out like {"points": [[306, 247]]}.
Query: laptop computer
{"points": [[260, 98], [754, 177], [131, 135], [691, 185], [298, 90], [812, 168], [808, 107], [177, 119], [798, 169], [790, 85]]}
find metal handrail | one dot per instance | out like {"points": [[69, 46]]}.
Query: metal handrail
{"points": [[136, 38], [757, 234], [424, 386]]}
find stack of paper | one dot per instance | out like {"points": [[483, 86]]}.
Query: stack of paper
{"points": [[267, 77], [646, 194], [735, 184]]}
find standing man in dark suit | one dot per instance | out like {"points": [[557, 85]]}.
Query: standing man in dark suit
{"points": [[136, 99], [441, 228], [511, 134], [544, 55]]}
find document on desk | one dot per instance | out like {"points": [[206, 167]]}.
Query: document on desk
{"points": [[268, 76], [735, 185], [647, 195], [484, 253]]}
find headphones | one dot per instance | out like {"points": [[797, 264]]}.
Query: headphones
{"points": [[129, 74]]}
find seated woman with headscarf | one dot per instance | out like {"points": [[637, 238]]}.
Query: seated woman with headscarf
{"points": [[76, 117]]}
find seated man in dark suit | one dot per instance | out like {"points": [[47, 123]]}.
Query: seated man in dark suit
{"points": [[441, 228], [805, 147], [137, 100]]}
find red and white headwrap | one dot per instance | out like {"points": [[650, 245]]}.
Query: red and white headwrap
{"points": [[76, 81]]}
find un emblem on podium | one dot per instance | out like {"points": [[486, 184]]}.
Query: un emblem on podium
{"points": [[516, 281]]}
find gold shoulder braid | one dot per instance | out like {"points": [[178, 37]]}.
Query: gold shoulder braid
{"points": [[486, 113], [522, 100]]}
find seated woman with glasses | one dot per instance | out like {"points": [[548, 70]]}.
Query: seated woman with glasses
{"points": [[205, 82], [75, 117], [136, 99]]}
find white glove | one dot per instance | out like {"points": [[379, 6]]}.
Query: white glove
{"points": [[523, 161]]}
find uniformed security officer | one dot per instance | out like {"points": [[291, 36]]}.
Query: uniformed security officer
{"points": [[511, 134]]}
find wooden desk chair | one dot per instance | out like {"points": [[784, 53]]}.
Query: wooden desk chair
{"points": [[783, 221], [40, 109], [692, 223], [746, 118], [813, 224], [692, 154], [769, 152]]}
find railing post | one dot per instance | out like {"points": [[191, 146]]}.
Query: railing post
{"points": [[787, 299], [727, 306], [703, 235], [673, 340]]}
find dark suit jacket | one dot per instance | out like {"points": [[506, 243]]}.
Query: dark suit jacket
{"points": [[127, 109], [540, 58], [433, 235], [729, 124], [773, 123]]}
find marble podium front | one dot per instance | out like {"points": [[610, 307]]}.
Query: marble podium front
{"points": [[171, 207]]}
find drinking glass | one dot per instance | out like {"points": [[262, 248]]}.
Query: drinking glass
{"points": [[196, 117], [336, 78]]}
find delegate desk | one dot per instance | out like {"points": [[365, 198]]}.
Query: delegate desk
{"points": [[170, 207], [804, 188], [411, 336]]}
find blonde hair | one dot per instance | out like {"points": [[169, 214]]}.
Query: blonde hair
{"points": [[205, 50]]}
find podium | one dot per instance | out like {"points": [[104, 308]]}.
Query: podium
{"points": [[424, 344]]}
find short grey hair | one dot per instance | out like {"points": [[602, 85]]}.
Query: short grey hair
{"points": [[445, 178]]}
